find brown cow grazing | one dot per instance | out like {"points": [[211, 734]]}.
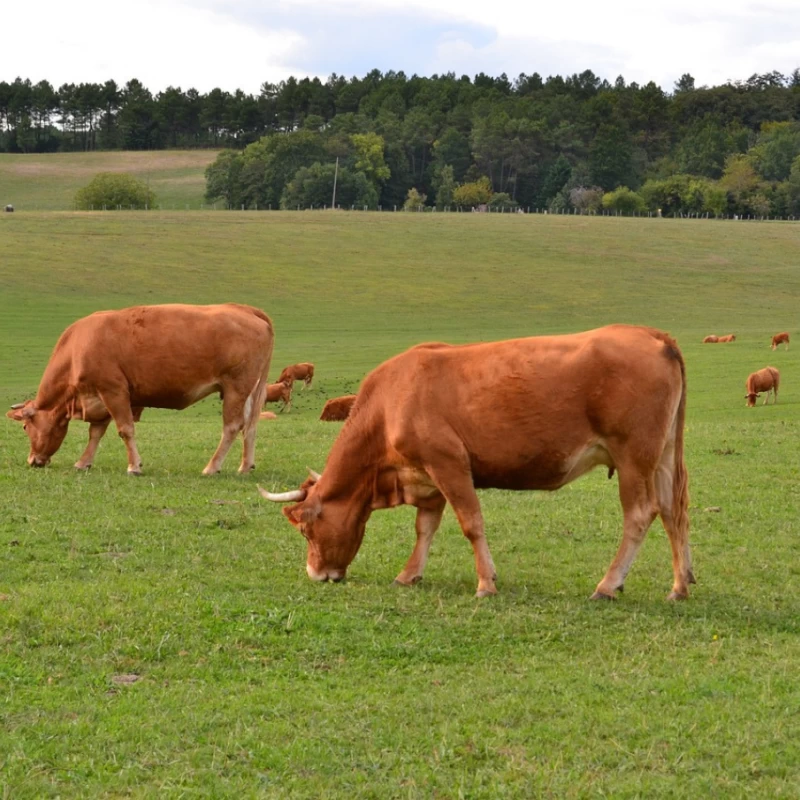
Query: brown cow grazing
{"points": [[711, 339], [298, 372], [112, 364], [279, 392], [731, 337], [614, 396], [780, 338], [765, 380], [338, 408]]}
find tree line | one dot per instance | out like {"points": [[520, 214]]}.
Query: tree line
{"points": [[575, 142]]}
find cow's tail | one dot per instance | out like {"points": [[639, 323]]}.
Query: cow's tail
{"points": [[258, 395], [680, 477], [261, 315]]}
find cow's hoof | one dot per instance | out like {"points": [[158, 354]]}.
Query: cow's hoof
{"points": [[413, 582], [602, 596], [486, 588], [208, 471], [673, 596], [83, 467], [136, 473]]}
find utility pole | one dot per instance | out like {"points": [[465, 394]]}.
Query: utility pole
{"points": [[335, 176]]}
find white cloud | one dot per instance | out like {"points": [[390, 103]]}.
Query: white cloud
{"points": [[242, 43], [160, 43]]}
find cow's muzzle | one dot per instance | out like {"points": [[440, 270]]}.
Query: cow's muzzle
{"points": [[334, 575], [37, 461]]}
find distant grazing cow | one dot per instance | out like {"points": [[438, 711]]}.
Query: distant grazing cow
{"points": [[298, 372], [112, 364], [711, 339], [765, 380], [9, 208], [731, 337], [279, 392], [338, 408], [614, 396], [780, 338]]}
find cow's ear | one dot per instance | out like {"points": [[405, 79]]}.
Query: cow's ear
{"points": [[294, 514], [303, 513], [21, 413]]}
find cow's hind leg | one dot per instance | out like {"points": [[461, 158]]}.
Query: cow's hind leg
{"points": [[638, 498], [96, 432], [428, 521], [251, 418], [233, 422]]}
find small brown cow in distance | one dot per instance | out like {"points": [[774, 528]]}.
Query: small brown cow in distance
{"points": [[279, 392], [731, 337], [765, 380], [338, 408], [298, 372], [780, 338]]}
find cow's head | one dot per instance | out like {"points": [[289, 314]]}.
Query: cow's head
{"points": [[333, 529], [46, 430], [751, 398]]}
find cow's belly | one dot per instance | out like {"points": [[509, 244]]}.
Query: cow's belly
{"points": [[548, 470], [172, 397]]}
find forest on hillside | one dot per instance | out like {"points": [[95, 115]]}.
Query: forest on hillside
{"points": [[564, 143]]}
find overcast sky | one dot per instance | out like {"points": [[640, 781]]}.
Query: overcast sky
{"points": [[240, 44]]}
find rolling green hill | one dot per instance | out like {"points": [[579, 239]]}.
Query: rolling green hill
{"points": [[48, 182], [159, 636]]}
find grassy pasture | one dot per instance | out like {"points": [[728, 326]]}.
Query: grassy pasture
{"points": [[251, 680], [48, 182]]}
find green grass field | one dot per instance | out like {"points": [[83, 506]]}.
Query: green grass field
{"points": [[48, 182], [159, 636]]}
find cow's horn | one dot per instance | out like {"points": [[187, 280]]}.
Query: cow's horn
{"points": [[17, 405], [315, 475], [283, 497]]}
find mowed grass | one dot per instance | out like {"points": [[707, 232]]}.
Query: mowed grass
{"points": [[159, 636], [49, 181]]}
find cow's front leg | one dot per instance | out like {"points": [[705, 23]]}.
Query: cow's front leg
{"points": [[119, 407], [455, 483], [96, 432], [428, 521]]}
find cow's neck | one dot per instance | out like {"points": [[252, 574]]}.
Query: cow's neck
{"points": [[354, 462], [54, 389]]}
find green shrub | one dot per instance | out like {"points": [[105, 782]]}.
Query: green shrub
{"points": [[473, 194], [623, 200], [110, 190], [414, 200], [501, 201]]}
